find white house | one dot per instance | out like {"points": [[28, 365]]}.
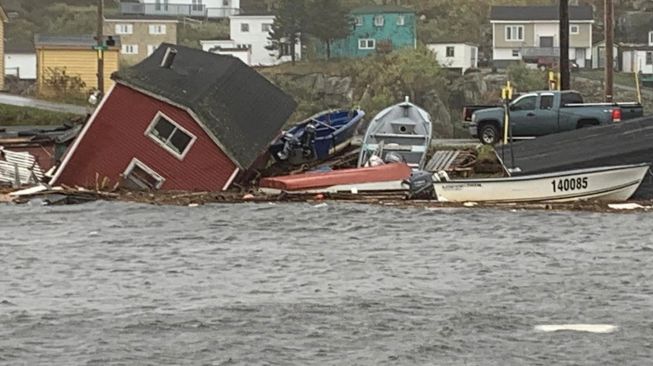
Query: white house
{"points": [[251, 32], [532, 34], [637, 59], [190, 8], [598, 55], [20, 61], [461, 56]]}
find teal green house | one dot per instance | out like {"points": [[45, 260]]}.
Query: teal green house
{"points": [[377, 29]]}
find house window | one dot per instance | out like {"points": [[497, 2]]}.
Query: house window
{"points": [[649, 58], [197, 5], [158, 7], [401, 20], [244, 27], [574, 29], [151, 48], [378, 21], [358, 21], [450, 51], [514, 33], [650, 38], [124, 29], [225, 3], [266, 27], [366, 44], [139, 176], [129, 49], [170, 135], [157, 29], [515, 53]]}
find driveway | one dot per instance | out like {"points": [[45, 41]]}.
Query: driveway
{"points": [[19, 101]]}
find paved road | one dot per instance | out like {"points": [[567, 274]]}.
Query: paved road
{"points": [[41, 104]]}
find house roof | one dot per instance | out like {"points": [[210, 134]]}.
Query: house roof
{"points": [[54, 41], [376, 9], [19, 46], [241, 109], [533, 13]]}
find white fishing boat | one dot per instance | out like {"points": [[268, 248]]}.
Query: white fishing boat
{"points": [[403, 129], [609, 184]]}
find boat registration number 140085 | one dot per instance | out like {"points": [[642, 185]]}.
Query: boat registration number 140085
{"points": [[569, 184]]}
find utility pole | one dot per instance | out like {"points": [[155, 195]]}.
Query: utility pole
{"points": [[100, 46], [564, 45], [609, 49]]}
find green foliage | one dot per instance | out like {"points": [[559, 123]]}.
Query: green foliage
{"points": [[189, 34], [384, 80], [525, 79], [16, 116], [290, 22], [328, 21]]}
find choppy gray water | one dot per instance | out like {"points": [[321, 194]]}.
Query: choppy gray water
{"points": [[294, 284]]}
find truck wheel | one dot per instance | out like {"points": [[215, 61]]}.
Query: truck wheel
{"points": [[489, 134]]}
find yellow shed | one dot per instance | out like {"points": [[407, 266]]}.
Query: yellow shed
{"points": [[75, 57], [3, 20]]}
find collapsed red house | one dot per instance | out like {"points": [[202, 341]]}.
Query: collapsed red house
{"points": [[182, 119]]}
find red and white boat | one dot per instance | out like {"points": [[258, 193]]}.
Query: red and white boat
{"points": [[388, 177]]}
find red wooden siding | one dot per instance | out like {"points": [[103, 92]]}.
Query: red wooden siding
{"points": [[118, 134]]}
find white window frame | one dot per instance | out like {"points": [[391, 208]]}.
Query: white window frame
{"points": [[266, 25], [453, 51], [243, 26], [379, 20], [124, 28], [157, 29], [151, 48], [129, 49], [135, 162], [150, 128], [650, 38], [572, 27], [358, 21], [401, 20], [366, 45], [514, 30]]}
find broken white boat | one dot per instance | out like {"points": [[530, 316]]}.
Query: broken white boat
{"points": [[609, 184]]}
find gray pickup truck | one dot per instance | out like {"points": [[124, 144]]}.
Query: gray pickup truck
{"points": [[546, 112]]}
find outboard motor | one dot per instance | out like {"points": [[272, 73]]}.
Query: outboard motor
{"points": [[393, 157], [420, 185], [307, 141], [290, 144]]}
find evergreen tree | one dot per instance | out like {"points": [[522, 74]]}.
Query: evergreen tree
{"points": [[328, 21], [289, 23]]}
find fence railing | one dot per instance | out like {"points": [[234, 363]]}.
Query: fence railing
{"points": [[176, 10]]}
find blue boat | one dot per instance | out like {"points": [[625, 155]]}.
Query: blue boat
{"points": [[318, 137]]}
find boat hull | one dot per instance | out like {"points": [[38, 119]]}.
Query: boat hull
{"points": [[610, 184], [387, 177], [335, 131]]}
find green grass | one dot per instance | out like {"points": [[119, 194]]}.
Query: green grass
{"points": [[17, 116]]}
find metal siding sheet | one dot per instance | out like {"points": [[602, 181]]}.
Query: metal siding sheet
{"points": [[118, 135]]}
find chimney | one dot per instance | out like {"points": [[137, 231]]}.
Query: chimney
{"points": [[168, 58]]}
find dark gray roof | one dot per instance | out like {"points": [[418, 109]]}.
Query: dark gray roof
{"points": [[83, 41], [526, 13], [241, 108], [380, 9]]}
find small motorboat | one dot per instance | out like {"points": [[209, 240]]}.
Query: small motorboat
{"points": [[386, 177], [318, 137], [608, 184], [403, 128]]}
